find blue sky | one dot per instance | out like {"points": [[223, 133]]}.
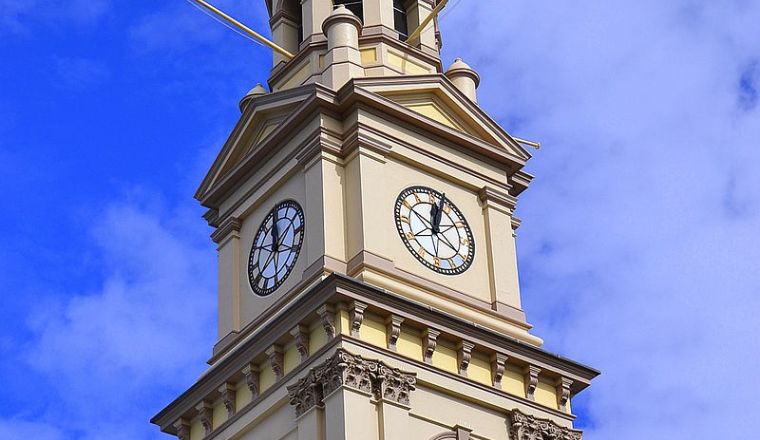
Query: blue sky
{"points": [[639, 251]]}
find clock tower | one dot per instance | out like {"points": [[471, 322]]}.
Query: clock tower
{"points": [[364, 220]]}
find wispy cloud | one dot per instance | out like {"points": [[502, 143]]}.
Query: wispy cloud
{"points": [[641, 234], [106, 352], [17, 15], [80, 73]]}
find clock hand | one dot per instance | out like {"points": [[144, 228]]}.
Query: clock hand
{"points": [[436, 213], [275, 234]]}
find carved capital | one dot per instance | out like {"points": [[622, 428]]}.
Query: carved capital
{"points": [[183, 429], [526, 427], [327, 317], [429, 342], [563, 393], [344, 369], [206, 416], [393, 328], [394, 385], [498, 365], [301, 334], [276, 360], [464, 354], [228, 393], [531, 381], [251, 372], [357, 316]]}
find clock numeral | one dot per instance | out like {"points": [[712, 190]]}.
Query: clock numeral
{"points": [[431, 198], [437, 261], [404, 219], [421, 251], [459, 225], [410, 236], [446, 208], [417, 198], [407, 204], [451, 262], [465, 242]]}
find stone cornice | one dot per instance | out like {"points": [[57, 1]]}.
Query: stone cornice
{"points": [[337, 288]]}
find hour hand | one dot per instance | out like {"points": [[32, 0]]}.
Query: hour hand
{"points": [[275, 233], [436, 212]]}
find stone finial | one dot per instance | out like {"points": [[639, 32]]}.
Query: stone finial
{"points": [[255, 92], [342, 28], [464, 78]]}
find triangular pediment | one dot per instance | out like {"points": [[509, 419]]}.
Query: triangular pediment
{"points": [[257, 123], [435, 98]]}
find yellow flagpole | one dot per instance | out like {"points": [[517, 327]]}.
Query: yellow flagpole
{"points": [[427, 20], [245, 28]]}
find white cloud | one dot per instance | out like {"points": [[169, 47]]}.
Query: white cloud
{"points": [[641, 233], [147, 330], [17, 15]]}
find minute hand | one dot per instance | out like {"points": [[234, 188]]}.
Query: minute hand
{"points": [[437, 213]]}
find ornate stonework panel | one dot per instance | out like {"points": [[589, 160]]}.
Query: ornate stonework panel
{"points": [[344, 369], [526, 427]]}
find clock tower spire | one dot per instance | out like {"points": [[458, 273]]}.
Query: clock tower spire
{"points": [[364, 220]]}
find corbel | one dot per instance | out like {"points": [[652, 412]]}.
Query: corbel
{"points": [[251, 373], [498, 365], [276, 360], [563, 392], [228, 398], [531, 381], [326, 314], [357, 309], [183, 429], [464, 354], [429, 341], [301, 334], [206, 415], [393, 327]]}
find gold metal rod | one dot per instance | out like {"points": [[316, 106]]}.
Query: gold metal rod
{"points": [[427, 20], [264, 40], [536, 145]]}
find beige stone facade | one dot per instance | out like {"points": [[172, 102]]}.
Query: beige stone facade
{"points": [[360, 340]]}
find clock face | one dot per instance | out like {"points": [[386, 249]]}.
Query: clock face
{"points": [[276, 247], [434, 230]]}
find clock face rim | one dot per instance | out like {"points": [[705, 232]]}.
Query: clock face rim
{"points": [[468, 231], [263, 229]]}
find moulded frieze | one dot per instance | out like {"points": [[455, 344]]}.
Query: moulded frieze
{"points": [[527, 427]]}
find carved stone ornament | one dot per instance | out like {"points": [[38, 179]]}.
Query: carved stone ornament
{"points": [[301, 334], [498, 365], [276, 360], [327, 317], [251, 372], [393, 324], [526, 427], [357, 316], [429, 340], [344, 369], [531, 381], [464, 355], [563, 392], [228, 398], [206, 415], [183, 429]]}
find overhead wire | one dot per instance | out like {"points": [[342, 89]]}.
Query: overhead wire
{"points": [[227, 25]]}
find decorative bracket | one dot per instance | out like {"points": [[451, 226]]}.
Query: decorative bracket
{"points": [[393, 327], [429, 342], [464, 354], [251, 372], [276, 361], [563, 393], [183, 429], [327, 317], [357, 316], [206, 415], [228, 398], [301, 335], [498, 365], [531, 381]]}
